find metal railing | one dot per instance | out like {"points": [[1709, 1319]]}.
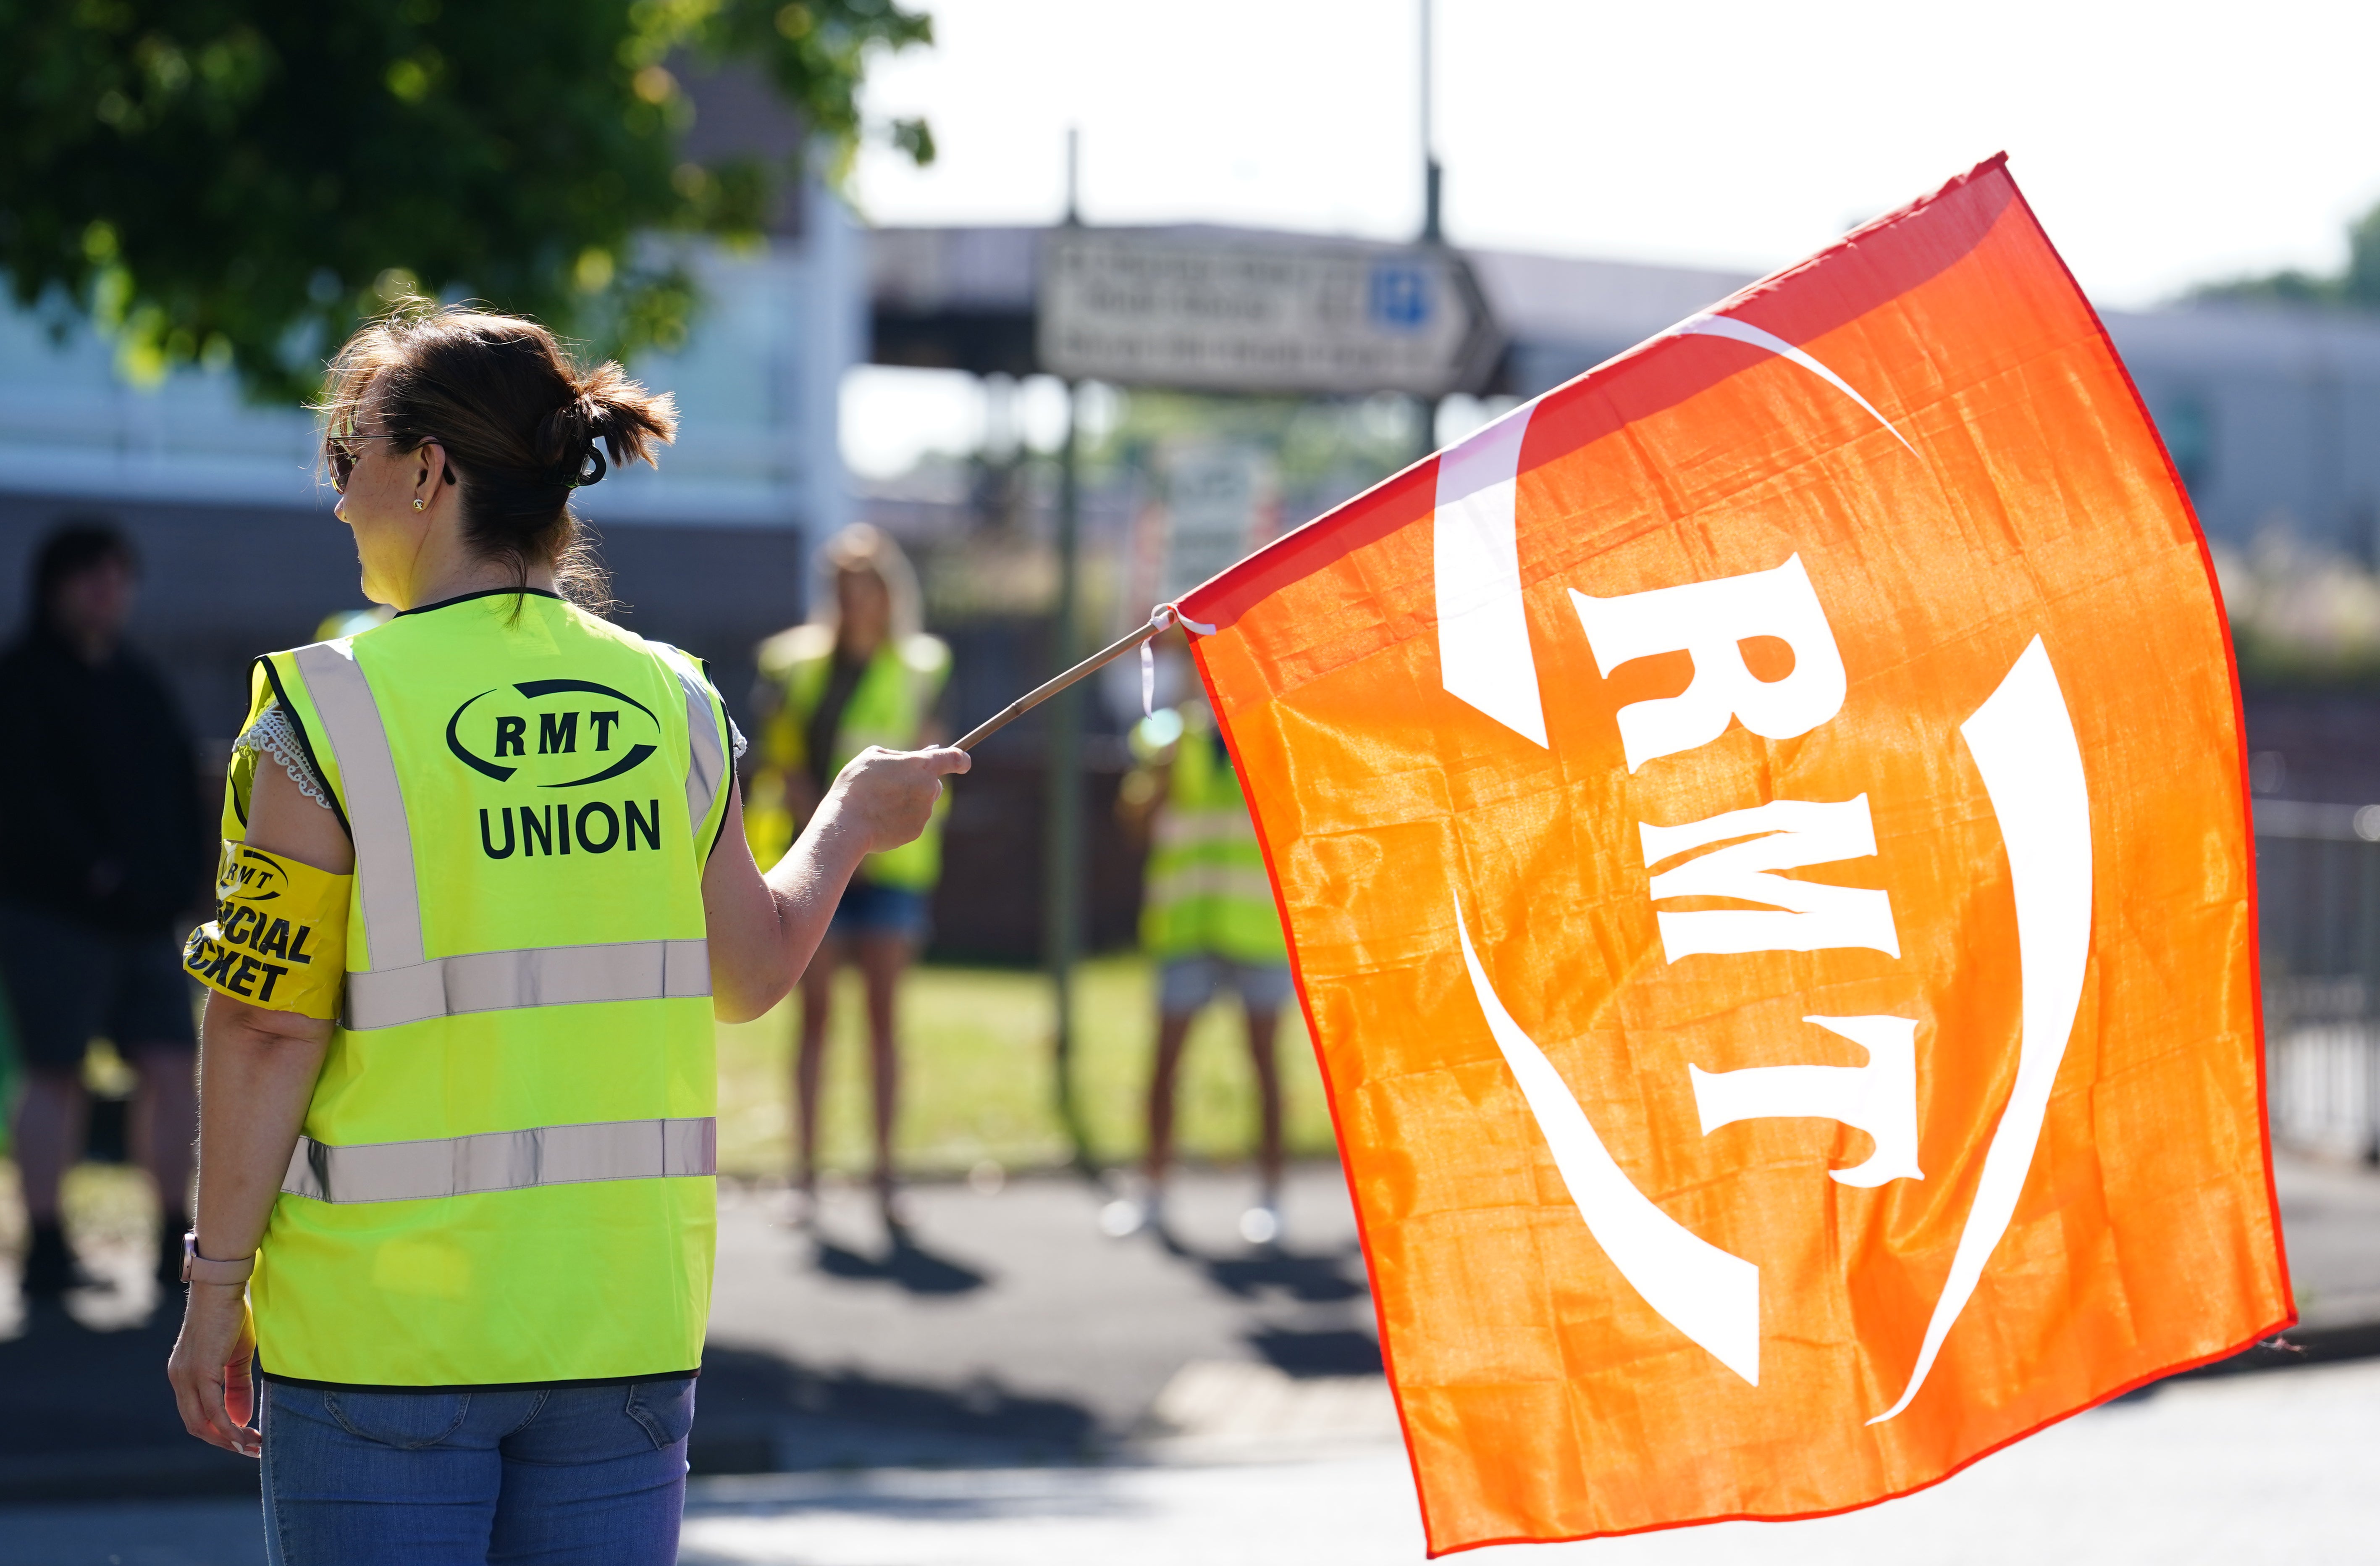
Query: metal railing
{"points": [[2318, 912]]}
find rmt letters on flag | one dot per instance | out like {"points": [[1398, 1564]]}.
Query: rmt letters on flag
{"points": [[1762, 833]]}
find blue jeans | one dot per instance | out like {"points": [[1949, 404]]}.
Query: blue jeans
{"points": [[868, 909], [547, 1475]]}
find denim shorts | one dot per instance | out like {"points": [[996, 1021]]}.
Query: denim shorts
{"points": [[69, 984], [1185, 984], [870, 909], [358, 1477]]}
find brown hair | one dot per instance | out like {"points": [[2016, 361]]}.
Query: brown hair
{"points": [[517, 416], [863, 548]]}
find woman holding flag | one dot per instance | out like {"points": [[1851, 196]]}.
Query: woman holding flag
{"points": [[484, 891]]}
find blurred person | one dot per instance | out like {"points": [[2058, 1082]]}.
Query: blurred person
{"points": [[484, 895], [106, 851], [352, 622], [1208, 920], [860, 673]]}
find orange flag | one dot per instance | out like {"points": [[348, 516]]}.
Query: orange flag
{"points": [[1763, 843]]}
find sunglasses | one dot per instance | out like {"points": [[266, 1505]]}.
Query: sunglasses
{"points": [[341, 453]]}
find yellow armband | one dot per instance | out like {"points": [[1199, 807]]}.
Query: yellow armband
{"points": [[279, 937]]}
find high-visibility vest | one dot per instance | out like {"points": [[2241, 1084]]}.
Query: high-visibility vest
{"points": [[888, 707], [1205, 889], [505, 1174]]}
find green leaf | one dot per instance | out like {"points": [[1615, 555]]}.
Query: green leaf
{"points": [[240, 181]]}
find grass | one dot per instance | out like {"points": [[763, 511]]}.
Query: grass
{"points": [[977, 1076], [977, 1087]]}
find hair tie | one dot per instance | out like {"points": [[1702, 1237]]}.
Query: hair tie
{"points": [[577, 422]]}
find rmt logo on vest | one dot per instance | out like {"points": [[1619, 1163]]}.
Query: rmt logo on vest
{"points": [[574, 733]]}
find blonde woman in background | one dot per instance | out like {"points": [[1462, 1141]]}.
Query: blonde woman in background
{"points": [[861, 673]]}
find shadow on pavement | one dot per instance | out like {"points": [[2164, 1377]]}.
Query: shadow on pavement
{"points": [[86, 1415], [905, 1263], [756, 1411], [1312, 1277], [2297, 1347], [1337, 1351], [1316, 1278]]}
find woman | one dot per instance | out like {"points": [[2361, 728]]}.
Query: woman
{"points": [[859, 675], [497, 839]]}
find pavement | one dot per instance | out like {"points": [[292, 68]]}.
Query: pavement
{"points": [[2237, 1470], [2330, 1223], [1009, 1328], [1007, 1336]]}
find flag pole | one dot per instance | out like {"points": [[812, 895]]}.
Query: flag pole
{"points": [[1158, 623]]}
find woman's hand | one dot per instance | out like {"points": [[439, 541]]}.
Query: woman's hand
{"points": [[763, 928], [885, 797], [208, 1369]]}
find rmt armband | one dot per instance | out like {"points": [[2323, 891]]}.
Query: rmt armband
{"points": [[279, 937]]}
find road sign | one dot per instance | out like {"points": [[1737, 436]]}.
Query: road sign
{"points": [[1217, 503], [1225, 312]]}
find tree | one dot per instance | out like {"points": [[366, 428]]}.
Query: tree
{"points": [[238, 182], [2358, 286]]}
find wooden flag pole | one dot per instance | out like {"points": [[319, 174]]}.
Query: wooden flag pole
{"points": [[1160, 620]]}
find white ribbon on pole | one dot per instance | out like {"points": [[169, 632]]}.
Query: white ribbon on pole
{"points": [[1164, 617]]}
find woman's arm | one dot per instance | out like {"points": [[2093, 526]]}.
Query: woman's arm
{"points": [[763, 928], [256, 1074]]}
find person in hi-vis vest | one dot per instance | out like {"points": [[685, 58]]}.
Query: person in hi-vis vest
{"points": [[484, 891], [860, 673], [1208, 920]]}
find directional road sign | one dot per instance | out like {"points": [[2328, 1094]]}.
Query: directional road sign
{"points": [[1227, 312]]}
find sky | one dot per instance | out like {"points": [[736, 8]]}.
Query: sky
{"points": [[2161, 143]]}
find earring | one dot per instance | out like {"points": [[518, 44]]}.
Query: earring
{"points": [[416, 502]]}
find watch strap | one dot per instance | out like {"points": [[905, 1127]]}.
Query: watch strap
{"points": [[197, 1268]]}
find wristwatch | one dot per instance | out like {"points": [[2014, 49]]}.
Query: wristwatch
{"points": [[197, 1268]]}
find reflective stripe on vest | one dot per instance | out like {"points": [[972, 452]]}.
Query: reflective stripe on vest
{"points": [[1246, 884], [391, 907], [1192, 827], [503, 1160], [706, 753], [402, 986], [545, 976]]}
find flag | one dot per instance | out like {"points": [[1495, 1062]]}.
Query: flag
{"points": [[1763, 841]]}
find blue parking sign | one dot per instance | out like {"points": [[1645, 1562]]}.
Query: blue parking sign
{"points": [[1400, 296]]}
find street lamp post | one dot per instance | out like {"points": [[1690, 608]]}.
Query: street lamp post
{"points": [[1433, 231], [1062, 824]]}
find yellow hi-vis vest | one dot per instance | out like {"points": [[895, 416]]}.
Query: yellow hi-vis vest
{"points": [[888, 707], [1204, 891], [505, 1175]]}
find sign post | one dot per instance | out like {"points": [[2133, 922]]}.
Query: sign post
{"points": [[1218, 506]]}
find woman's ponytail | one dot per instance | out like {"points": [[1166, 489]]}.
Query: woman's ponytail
{"points": [[608, 415]]}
